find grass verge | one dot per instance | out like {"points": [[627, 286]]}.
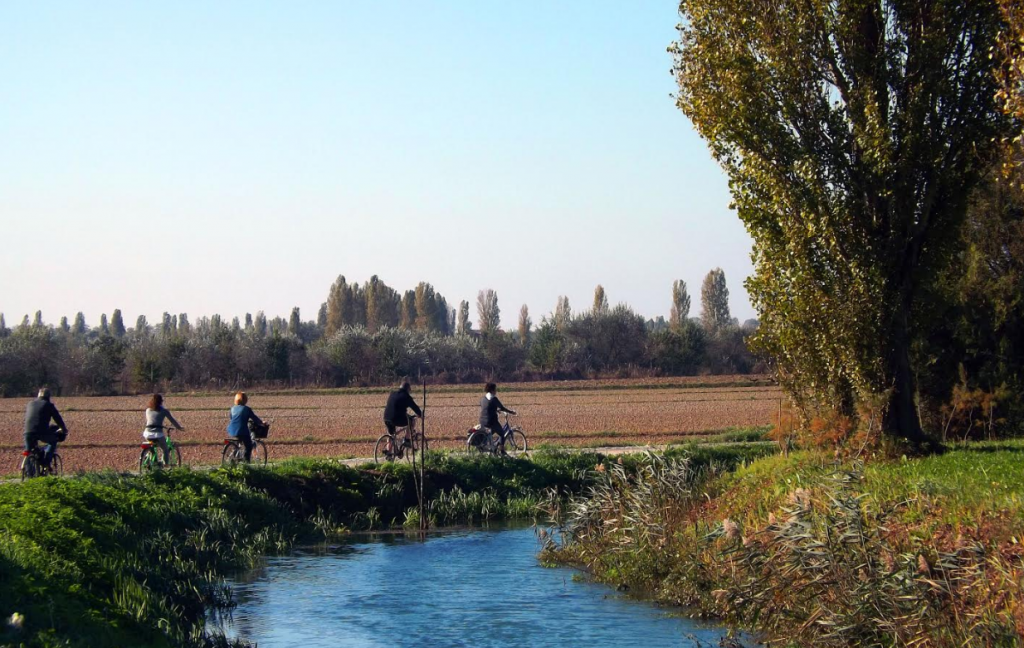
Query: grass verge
{"points": [[811, 551], [109, 559]]}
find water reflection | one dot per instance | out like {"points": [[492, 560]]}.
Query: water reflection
{"points": [[474, 588]]}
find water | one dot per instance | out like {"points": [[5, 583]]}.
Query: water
{"points": [[474, 588]]}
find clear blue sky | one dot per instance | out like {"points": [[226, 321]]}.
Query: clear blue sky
{"points": [[237, 156]]}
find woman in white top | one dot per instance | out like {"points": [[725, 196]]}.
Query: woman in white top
{"points": [[155, 416]]}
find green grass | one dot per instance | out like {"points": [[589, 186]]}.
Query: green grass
{"points": [[122, 560], [825, 552]]}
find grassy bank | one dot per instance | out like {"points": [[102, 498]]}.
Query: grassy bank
{"points": [[122, 560], [810, 551]]}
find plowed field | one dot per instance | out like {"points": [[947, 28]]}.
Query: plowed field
{"points": [[106, 431]]}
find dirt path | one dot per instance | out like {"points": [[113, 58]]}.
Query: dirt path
{"points": [[359, 461]]}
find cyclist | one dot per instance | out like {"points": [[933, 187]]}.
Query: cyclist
{"points": [[489, 408], [155, 416], [238, 428], [38, 415], [396, 412]]}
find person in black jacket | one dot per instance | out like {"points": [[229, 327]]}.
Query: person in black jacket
{"points": [[489, 408], [396, 412], [38, 415]]}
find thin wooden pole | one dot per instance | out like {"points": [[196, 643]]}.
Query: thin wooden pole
{"points": [[423, 455]]}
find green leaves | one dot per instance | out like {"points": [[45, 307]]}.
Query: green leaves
{"points": [[851, 132]]}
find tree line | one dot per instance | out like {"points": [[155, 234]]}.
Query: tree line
{"points": [[371, 334]]}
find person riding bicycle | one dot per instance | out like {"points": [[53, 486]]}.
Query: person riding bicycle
{"points": [[396, 412], [38, 415], [489, 408], [154, 432], [238, 428]]}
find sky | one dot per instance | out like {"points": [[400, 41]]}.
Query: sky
{"points": [[232, 157]]}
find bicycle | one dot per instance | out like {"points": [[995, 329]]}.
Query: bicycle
{"points": [[34, 465], [234, 450], [388, 447], [150, 456], [510, 443]]}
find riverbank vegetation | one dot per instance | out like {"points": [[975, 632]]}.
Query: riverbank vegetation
{"points": [[110, 559], [813, 550]]}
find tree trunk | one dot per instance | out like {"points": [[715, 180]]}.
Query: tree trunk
{"points": [[901, 419]]}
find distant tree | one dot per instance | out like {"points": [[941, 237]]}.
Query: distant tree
{"points": [[236, 325], [321, 318], [680, 349], [525, 324], [104, 326], [25, 322], [4, 331], [547, 347], [563, 314], [383, 304], [426, 315], [408, 320], [166, 325], [294, 322], [487, 311], [657, 324], [852, 134], [600, 301], [441, 314], [714, 301], [340, 305], [79, 327], [259, 324], [278, 326], [64, 324], [183, 324], [141, 325], [358, 312], [37, 321], [117, 324], [248, 322], [680, 304], [464, 326]]}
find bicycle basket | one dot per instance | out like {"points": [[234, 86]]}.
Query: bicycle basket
{"points": [[259, 431]]}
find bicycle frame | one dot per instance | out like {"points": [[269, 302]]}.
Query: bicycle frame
{"points": [[149, 444]]}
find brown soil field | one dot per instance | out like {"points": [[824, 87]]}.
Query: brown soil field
{"points": [[106, 431]]}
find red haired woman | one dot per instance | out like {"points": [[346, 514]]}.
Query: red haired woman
{"points": [[241, 414]]}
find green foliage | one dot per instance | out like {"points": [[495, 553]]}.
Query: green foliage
{"points": [[117, 560], [809, 551], [680, 312], [714, 302], [487, 311], [852, 133]]}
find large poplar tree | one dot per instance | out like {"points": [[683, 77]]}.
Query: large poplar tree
{"points": [[852, 132]]}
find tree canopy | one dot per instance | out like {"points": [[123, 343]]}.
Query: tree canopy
{"points": [[852, 133]]}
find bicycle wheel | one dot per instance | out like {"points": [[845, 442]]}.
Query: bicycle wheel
{"points": [[380, 449], [147, 459], [230, 455], [515, 443], [259, 453], [29, 467], [479, 443], [174, 458], [56, 466]]}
